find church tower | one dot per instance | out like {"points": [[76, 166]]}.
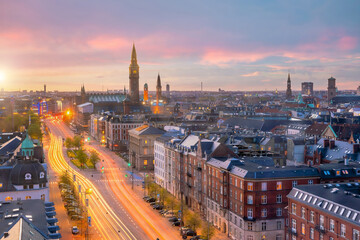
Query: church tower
{"points": [[331, 88], [288, 89], [83, 94], [134, 77], [158, 89], [146, 92]]}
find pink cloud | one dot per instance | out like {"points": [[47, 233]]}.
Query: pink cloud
{"points": [[224, 57], [251, 74], [347, 43], [108, 43]]}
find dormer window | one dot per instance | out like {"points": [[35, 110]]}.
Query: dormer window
{"points": [[337, 172]]}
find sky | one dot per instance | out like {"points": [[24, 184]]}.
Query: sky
{"points": [[232, 45]]}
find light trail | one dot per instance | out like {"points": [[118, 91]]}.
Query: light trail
{"points": [[106, 221]]}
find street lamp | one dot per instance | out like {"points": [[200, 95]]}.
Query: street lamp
{"points": [[88, 191]]}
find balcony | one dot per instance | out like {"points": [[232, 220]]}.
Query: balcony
{"points": [[188, 174], [320, 228], [189, 185], [199, 168]]}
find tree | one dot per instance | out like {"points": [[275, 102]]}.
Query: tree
{"points": [[77, 141], [207, 230], [94, 158], [69, 143], [193, 220], [82, 157], [34, 131]]}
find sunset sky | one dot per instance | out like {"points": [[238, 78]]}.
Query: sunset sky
{"points": [[233, 45]]}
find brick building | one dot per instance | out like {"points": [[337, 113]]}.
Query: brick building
{"points": [[324, 211]]}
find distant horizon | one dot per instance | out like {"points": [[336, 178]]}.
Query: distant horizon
{"points": [[233, 45]]}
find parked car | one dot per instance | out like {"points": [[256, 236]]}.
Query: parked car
{"points": [[197, 237], [190, 232], [177, 223], [173, 219], [159, 207], [75, 230], [150, 200], [146, 198], [154, 203]]}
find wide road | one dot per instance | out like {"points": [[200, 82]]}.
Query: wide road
{"points": [[129, 207]]}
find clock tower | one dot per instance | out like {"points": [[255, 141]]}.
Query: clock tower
{"points": [[134, 77]]}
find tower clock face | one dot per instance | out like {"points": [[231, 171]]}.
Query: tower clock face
{"points": [[134, 71]]}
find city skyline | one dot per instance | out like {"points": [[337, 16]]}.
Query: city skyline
{"points": [[239, 45]]}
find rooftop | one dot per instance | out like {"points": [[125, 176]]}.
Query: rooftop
{"points": [[339, 200]]}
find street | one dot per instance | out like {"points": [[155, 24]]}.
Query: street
{"points": [[117, 212]]}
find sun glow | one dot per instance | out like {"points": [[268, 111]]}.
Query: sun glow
{"points": [[2, 76]]}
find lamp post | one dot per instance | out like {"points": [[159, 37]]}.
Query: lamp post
{"points": [[88, 191]]}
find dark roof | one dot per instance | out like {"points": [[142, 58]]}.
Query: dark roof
{"points": [[264, 168], [339, 170], [28, 172], [316, 129], [10, 146], [339, 200], [147, 130], [28, 209]]}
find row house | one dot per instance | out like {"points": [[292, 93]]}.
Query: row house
{"points": [[324, 211], [247, 197], [117, 130]]}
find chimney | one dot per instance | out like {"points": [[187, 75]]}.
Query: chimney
{"points": [[356, 147], [332, 144], [346, 161], [326, 143]]}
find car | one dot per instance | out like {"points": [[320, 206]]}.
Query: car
{"points": [[150, 200], [173, 219], [176, 224], [76, 217], [163, 211], [75, 230], [154, 203], [146, 197], [197, 237], [190, 233], [159, 207]]}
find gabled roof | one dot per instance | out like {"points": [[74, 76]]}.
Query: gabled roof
{"points": [[10, 146], [27, 143], [316, 129], [146, 130]]}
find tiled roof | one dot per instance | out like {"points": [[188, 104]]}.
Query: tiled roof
{"points": [[316, 129], [339, 200]]}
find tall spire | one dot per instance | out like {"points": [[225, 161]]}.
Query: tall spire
{"points": [[158, 84], [133, 55], [288, 89]]}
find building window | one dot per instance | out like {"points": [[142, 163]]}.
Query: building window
{"points": [[279, 212], [279, 198], [294, 183], [250, 237], [293, 225], [263, 226], [8, 198], [312, 216], [278, 237], [356, 234], [1, 185], [278, 225], [278, 185], [303, 228], [321, 222], [332, 225], [342, 230], [250, 186], [310, 181], [31, 186], [250, 213], [311, 233], [43, 197], [263, 199], [145, 162], [293, 208], [264, 186], [250, 199], [303, 212], [26, 186], [250, 226], [264, 212], [27, 197]]}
